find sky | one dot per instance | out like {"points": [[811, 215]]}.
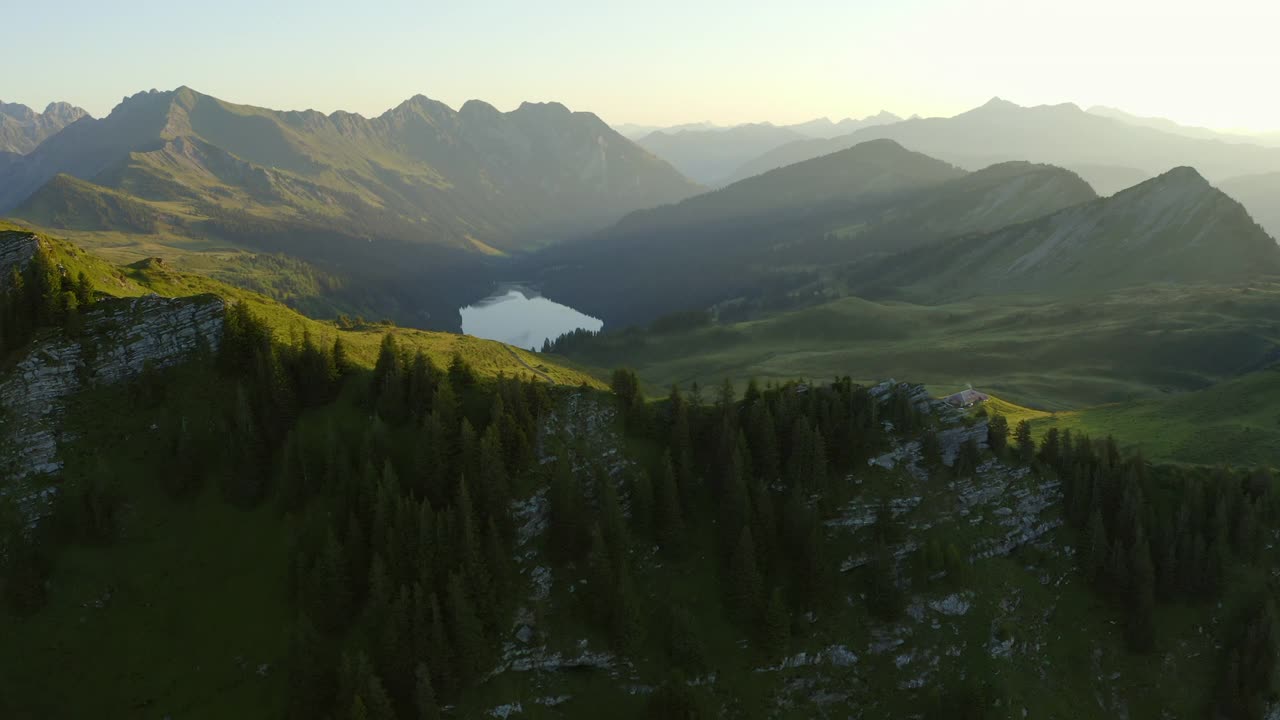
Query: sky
{"points": [[657, 62]]}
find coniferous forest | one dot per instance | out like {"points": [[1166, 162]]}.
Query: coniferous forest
{"points": [[426, 499], [541, 363]]}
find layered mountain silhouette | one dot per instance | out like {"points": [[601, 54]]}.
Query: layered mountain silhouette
{"points": [[1098, 148], [707, 156], [474, 179], [1175, 228], [22, 129], [826, 128], [710, 154], [1174, 128], [635, 131], [1261, 195], [774, 231]]}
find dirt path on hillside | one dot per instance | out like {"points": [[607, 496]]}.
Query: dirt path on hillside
{"points": [[529, 367]]}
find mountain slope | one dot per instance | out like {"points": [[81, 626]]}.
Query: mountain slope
{"points": [[783, 229], [1175, 228], [1261, 194], [421, 172], [825, 128], [22, 129], [707, 156], [1174, 128], [1062, 135]]}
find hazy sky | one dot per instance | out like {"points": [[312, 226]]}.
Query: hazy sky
{"points": [[1209, 63]]}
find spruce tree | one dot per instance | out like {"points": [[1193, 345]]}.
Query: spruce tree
{"points": [[997, 434], [1098, 548], [1140, 627], [424, 695], [470, 648], [1026, 443], [744, 580], [670, 516], [627, 620], [776, 629]]}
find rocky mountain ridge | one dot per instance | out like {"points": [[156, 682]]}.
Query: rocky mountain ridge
{"points": [[22, 129], [119, 339]]}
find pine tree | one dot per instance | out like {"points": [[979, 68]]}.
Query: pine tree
{"points": [[470, 648], [800, 456], [461, 374], [311, 676], [670, 516], [1140, 627], [763, 442], [331, 594], [818, 479], [776, 629], [930, 449], [642, 504], [424, 695], [998, 434], [1026, 443], [884, 594], [567, 512], [1098, 550], [600, 588], [388, 384], [744, 580], [627, 623]]}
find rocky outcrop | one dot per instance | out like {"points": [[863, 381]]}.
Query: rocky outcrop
{"points": [[119, 338], [16, 250]]}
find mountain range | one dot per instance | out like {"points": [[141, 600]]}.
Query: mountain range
{"points": [[22, 129], [474, 179], [818, 127], [785, 228], [1169, 126], [1100, 149], [1173, 229], [1261, 194], [709, 154]]}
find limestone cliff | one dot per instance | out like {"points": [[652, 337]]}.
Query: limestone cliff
{"points": [[16, 251], [118, 339]]}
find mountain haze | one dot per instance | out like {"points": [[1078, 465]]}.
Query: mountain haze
{"points": [[781, 229], [825, 128], [474, 178], [22, 129], [1175, 228], [1261, 194], [707, 156], [1062, 135], [1169, 126]]}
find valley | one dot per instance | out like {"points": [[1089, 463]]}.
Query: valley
{"points": [[479, 414]]}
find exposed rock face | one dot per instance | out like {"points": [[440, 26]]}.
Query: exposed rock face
{"points": [[16, 251], [119, 339], [22, 129]]}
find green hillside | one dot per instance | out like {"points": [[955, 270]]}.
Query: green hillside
{"points": [[787, 232], [1173, 229], [378, 203], [421, 172], [22, 129], [487, 357], [1042, 352], [1236, 421]]}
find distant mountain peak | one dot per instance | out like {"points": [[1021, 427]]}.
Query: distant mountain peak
{"points": [[1183, 177], [999, 103], [23, 129], [478, 107], [548, 107]]}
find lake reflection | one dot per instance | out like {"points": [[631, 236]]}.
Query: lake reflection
{"points": [[523, 318]]}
